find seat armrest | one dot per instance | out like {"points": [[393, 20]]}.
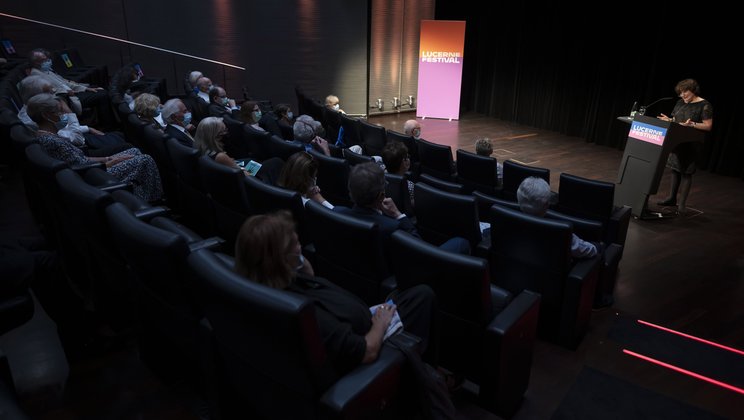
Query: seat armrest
{"points": [[526, 304], [387, 286], [140, 208], [483, 249], [104, 181], [508, 345], [172, 226], [368, 389], [82, 168], [500, 299], [578, 296], [617, 226], [213, 243]]}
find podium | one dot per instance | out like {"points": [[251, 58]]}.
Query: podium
{"points": [[650, 140]]}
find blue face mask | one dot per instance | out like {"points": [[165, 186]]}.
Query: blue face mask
{"points": [[290, 115], [62, 123], [226, 101], [186, 119], [257, 115], [46, 65], [158, 110]]}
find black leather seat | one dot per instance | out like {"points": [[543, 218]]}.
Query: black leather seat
{"points": [[533, 253], [356, 158], [397, 189], [409, 141], [269, 360], [351, 130], [515, 173], [349, 252], [282, 149], [373, 138], [591, 199], [486, 333], [196, 208], [154, 145], [332, 124], [440, 184], [333, 179], [441, 215], [478, 173], [226, 189], [265, 198], [169, 314], [436, 160]]}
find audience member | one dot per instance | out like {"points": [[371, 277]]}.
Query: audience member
{"points": [[367, 191], [129, 166], [300, 174], [41, 61], [484, 147], [331, 102], [250, 113], [268, 252], [412, 128], [97, 142], [148, 109], [220, 105], [533, 196], [193, 77], [208, 139], [398, 161], [203, 84], [279, 122], [178, 120], [305, 131]]}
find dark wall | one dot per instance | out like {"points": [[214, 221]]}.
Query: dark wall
{"points": [[575, 69], [320, 45]]}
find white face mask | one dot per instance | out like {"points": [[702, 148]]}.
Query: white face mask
{"points": [[336, 107]]}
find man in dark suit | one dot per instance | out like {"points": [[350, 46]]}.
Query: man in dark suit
{"points": [[220, 105], [178, 118], [367, 191]]}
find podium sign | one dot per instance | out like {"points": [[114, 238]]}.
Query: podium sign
{"points": [[650, 140], [440, 68]]}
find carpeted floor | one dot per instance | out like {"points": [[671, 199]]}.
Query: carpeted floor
{"points": [[597, 395]]}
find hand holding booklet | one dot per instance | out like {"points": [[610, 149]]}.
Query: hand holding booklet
{"points": [[251, 167], [395, 323]]}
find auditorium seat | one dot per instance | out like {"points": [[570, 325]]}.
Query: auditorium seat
{"points": [[533, 253], [351, 130], [477, 173], [356, 158], [267, 358], [487, 334], [515, 173], [409, 141], [333, 178], [373, 138], [441, 215], [436, 160], [349, 252]]}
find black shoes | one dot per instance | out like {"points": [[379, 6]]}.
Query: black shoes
{"points": [[668, 202]]}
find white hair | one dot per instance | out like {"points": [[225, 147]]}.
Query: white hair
{"points": [[533, 196], [32, 86], [305, 128], [194, 76], [170, 108]]}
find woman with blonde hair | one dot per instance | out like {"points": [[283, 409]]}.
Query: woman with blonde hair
{"points": [[208, 140]]}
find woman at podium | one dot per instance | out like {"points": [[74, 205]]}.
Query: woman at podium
{"points": [[696, 112]]}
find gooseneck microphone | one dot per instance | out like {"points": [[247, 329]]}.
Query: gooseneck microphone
{"points": [[643, 109]]}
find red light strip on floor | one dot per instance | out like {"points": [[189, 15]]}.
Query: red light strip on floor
{"points": [[122, 40], [684, 371], [692, 337]]}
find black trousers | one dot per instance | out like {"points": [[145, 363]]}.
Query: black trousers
{"points": [[418, 311]]}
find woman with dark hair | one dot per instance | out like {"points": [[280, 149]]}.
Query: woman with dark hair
{"points": [[300, 173], [693, 111], [250, 113], [398, 161], [267, 251]]}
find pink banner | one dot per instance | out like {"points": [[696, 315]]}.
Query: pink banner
{"points": [[440, 68]]}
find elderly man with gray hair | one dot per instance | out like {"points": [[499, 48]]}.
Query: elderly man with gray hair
{"points": [[178, 120], [533, 196]]}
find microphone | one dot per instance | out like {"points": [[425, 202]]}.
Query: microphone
{"points": [[643, 109], [633, 109]]}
